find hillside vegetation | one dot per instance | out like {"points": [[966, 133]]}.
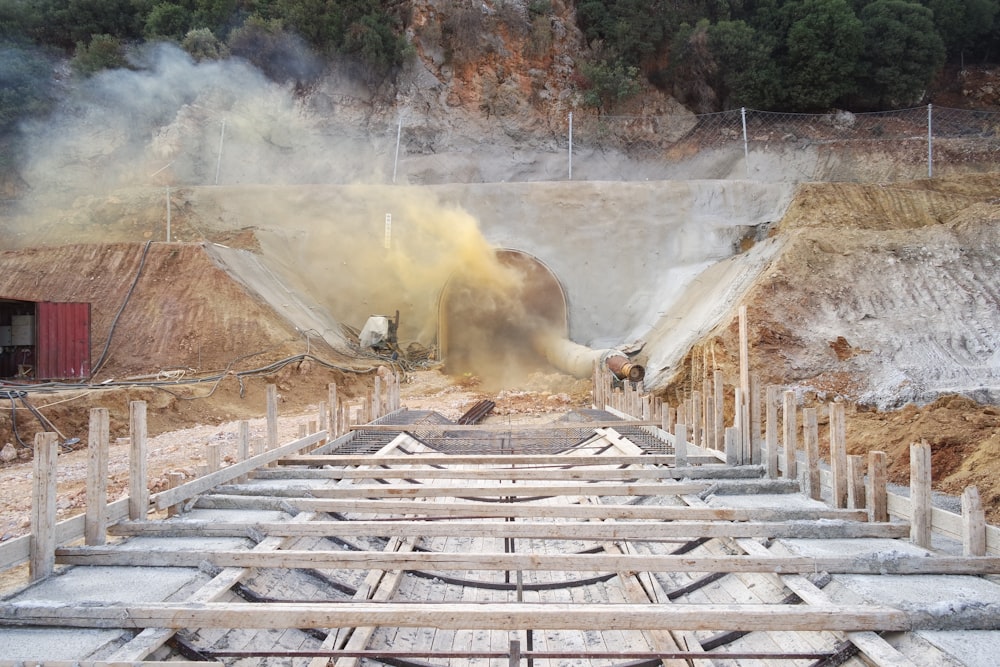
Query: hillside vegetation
{"points": [[793, 55]]}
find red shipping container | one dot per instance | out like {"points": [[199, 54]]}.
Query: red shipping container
{"points": [[62, 341]]}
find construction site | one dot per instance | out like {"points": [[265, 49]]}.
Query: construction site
{"points": [[747, 416]]}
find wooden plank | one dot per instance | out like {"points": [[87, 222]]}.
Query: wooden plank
{"points": [[519, 474], [138, 489], [455, 491], [856, 482], [790, 433], [505, 428], [579, 457], [272, 417], [43, 507], [810, 432], [548, 530], [771, 429], [878, 477], [920, 494], [973, 523], [459, 509], [495, 616], [502, 561], [98, 448], [170, 497], [838, 454]]}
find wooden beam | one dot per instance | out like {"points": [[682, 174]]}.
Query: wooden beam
{"points": [[920, 494], [579, 457], [498, 616], [519, 474], [138, 489], [878, 501], [973, 523], [575, 530], [569, 511], [98, 448], [455, 491], [505, 428], [165, 499], [363, 560], [43, 507]]}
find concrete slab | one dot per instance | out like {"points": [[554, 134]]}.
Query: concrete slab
{"points": [[54, 643], [110, 584]]}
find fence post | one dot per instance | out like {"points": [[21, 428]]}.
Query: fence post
{"points": [[930, 142], [746, 149], [571, 145]]}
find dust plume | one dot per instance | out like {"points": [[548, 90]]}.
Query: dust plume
{"points": [[308, 173]]}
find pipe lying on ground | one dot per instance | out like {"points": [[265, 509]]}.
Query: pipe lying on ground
{"points": [[578, 360]]}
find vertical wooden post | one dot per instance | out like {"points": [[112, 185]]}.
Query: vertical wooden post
{"points": [[669, 417], [258, 445], [856, 482], [734, 445], [302, 431], [243, 444], [367, 411], [720, 409], [138, 490], [920, 494], [788, 421], [322, 416], [334, 407], [680, 446], [377, 397], [96, 520], [744, 406], [214, 457], [838, 454], [42, 543], [515, 653], [878, 495], [696, 412], [754, 404], [973, 523], [810, 432], [272, 417], [707, 416], [739, 425], [771, 429], [174, 479]]}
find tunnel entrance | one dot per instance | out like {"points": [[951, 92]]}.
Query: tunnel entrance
{"points": [[489, 333]]}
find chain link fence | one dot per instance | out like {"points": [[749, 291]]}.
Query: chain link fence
{"points": [[917, 141]]}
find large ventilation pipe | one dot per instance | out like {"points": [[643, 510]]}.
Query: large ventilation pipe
{"points": [[525, 329], [579, 360]]}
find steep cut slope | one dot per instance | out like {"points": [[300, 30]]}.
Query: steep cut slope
{"points": [[179, 309]]}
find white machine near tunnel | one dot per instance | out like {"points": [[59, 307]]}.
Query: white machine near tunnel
{"points": [[518, 330]]}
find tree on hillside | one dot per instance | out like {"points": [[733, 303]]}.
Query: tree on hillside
{"points": [[167, 20], [281, 55], [962, 24], [66, 23], [629, 29], [748, 75], [822, 47], [100, 53], [25, 84], [901, 55]]}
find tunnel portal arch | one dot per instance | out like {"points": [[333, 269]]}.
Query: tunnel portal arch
{"points": [[488, 334]]}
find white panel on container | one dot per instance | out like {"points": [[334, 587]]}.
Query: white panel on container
{"points": [[22, 330]]}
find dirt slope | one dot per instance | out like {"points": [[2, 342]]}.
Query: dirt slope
{"points": [[888, 297]]}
